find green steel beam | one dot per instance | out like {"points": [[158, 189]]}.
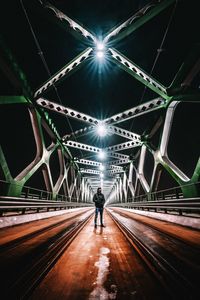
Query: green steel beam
{"points": [[13, 99], [136, 21], [67, 70], [65, 22], [188, 188], [4, 166], [134, 70]]}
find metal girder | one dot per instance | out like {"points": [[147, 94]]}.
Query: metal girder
{"points": [[124, 133], [111, 129], [119, 162], [89, 171], [66, 111], [94, 149], [97, 164], [74, 26], [113, 166], [136, 111], [88, 178], [85, 118], [78, 133], [118, 155], [137, 20], [123, 146], [155, 127], [71, 66], [89, 162], [13, 99], [82, 146], [139, 74], [96, 180], [115, 171]]}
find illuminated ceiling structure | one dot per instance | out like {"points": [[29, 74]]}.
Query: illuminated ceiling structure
{"points": [[116, 34], [114, 172]]}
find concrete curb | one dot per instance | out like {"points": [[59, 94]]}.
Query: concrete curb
{"points": [[8, 221], [192, 222]]}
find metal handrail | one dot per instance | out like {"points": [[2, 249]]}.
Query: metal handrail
{"points": [[30, 192], [163, 200], [176, 193], [23, 205], [187, 205]]}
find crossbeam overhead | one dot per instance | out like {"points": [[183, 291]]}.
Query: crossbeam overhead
{"points": [[139, 74], [66, 111], [123, 146], [114, 172], [137, 20], [65, 71], [73, 25], [138, 110], [82, 146]]}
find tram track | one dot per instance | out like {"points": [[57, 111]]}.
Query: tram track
{"points": [[41, 259], [46, 253], [22, 239], [175, 283], [158, 229]]}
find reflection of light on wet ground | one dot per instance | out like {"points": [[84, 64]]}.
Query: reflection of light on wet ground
{"points": [[100, 292]]}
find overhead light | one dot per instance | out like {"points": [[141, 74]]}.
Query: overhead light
{"points": [[101, 129], [100, 50], [101, 175], [100, 45], [100, 54], [102, 155], [101, 168]]}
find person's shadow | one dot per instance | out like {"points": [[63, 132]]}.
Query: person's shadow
{"points": [[98, 230]]}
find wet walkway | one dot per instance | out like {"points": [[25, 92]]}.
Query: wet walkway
{"points": [[99, 264]]}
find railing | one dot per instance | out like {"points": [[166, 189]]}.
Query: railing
{"points": [[34, 200], [168, 200], [172, 193], [188, 205], [27, 205], [166, 194], [29, 192]]}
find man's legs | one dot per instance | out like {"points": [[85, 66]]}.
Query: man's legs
{"points": [[96, 215], [101, 215]]}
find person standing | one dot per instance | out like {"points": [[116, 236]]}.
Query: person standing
{"points": [[99, 201]]}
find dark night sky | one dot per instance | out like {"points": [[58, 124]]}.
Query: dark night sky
{"points": [[93, 89]]}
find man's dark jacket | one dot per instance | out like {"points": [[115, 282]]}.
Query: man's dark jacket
{"points": [[99, 200]]}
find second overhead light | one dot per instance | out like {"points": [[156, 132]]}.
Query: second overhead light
{"points": [[102, 155], [101, 129], [100, 50], [101, 168]]}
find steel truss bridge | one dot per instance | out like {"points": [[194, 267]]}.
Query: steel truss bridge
{"points": [[125, 180]]}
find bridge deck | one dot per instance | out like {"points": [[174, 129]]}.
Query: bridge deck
{"points": [[100, 263]]}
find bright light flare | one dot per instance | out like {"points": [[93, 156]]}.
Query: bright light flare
{"points": [[100, 50], [100, 46], [100, 54], [101, 175], [101, 168], [102, 155], [101, 129]]}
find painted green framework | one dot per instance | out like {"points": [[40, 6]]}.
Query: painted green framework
{"points": [[72, 178]]}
